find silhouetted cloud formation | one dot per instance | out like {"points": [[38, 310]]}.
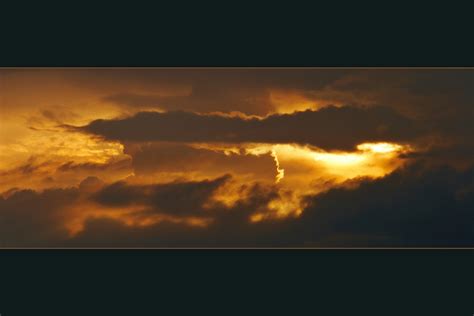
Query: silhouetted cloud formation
{"points": [[416, 206], [175, 198], [328, 128], [230, 226], [413, 206], [33, 219]]}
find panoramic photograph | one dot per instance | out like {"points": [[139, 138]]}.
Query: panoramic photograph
{"points": [[236, 158]]}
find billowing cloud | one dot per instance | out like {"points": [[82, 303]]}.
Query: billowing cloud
{"points": [[176, 198], [327, 128], [414, 206]]}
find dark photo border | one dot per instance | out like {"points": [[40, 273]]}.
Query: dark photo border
{"points": [[244, 281]]}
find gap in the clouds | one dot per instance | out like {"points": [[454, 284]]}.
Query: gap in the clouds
{"points": [[370, 159], [303, 170]]}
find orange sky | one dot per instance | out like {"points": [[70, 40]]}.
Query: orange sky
{"points": [[39, 150]]}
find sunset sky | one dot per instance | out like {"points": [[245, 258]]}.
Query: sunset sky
{"points": [[236, 157]]}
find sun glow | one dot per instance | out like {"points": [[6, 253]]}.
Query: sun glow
{"points": [[339, 159], [380, 147], [297, 162]]}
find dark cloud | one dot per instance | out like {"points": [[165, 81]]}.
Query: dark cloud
{"points": [[201, 90], [456, 154], [32, 219], [328, 128], [415, 206], [429, 93], [175, 198], [230, 227]]}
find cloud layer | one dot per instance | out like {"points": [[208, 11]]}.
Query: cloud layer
{"points": [[414, 206], [329, 128], [236, 157]]}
